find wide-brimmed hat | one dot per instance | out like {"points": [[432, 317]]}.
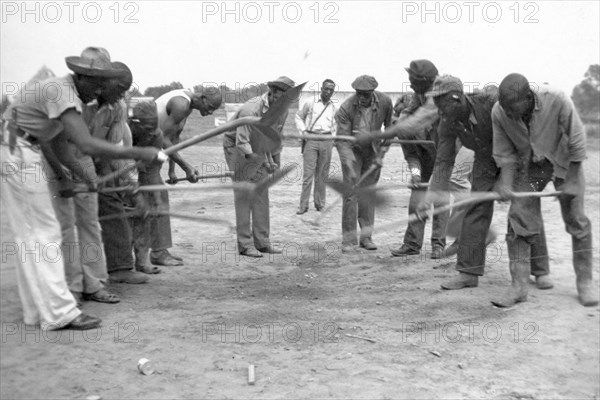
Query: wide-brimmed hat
{"points": [[365, 83], [445, 84], [94, 61], [283, 83]]}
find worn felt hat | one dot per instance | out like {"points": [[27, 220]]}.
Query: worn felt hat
{"points": [[422, 69], [445, 84], [283, 83], [94, 61], [365, 83]]}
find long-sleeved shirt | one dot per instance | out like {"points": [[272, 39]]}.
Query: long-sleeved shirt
{"points": [[555, 132], [306, 117], [475, 134], [352, 118], [241, 137]]}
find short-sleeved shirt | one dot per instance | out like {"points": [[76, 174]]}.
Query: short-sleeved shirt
{"points": [[38, 108], [555, 133]]}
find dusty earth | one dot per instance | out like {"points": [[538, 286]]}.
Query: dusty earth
{"points": [[315, 323]]}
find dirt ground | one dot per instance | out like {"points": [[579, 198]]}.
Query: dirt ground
{"points": [[303, 317]]}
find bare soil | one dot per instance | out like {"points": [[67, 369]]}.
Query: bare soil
{"points": [[316, 323]]}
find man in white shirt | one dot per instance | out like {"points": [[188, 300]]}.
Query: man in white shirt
{"points": [[317, 118]]}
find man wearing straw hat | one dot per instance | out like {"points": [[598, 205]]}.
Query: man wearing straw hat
{"points": [[45, 111], [173, 109], [252, 215], [538, 136]]}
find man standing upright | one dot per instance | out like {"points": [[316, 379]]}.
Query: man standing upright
{"points": [[420, 159], [317, 118], [173, 109], [367, 110], [538, 136], [240, 147]]}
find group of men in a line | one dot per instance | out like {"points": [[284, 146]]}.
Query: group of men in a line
{"points": [[521, 139], [79, 131], [520, 142]]}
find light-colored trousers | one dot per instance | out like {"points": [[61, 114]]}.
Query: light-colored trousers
{"points": [[83, 252], [25, 198], [316, 161], [460, 189]]}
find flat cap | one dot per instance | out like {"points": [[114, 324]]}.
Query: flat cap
{"points": [[365, 83], [145, 110], [445, 84], [283, 83], [422, 69]]}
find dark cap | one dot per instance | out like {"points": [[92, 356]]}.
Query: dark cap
{"points": [[365, 83], [145, 110], [422, 69], [283, 83]]}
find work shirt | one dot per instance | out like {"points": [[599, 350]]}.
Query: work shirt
{"points": [[475, 134], [350, 120], [109, 123], [555, 132], [306, 117], [37, 109], [241, 137]]}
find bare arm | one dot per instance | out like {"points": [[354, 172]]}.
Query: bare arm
{"points": [[76, 131]]}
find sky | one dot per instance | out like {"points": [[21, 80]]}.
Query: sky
{"points": [[242, 43]]}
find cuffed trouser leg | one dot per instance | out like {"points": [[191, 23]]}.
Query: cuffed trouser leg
{"points": [[25, 197]]}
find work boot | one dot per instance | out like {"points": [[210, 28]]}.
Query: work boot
{"points": [[519, 253], [582, 263], [437, 253], [543, 282], [404, 250], [463, 280], [452, 249]]}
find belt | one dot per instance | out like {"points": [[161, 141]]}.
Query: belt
{"points": [[319, 133], [16, 131]]}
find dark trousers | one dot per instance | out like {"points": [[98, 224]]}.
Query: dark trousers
{"points": [[316, 161], [355, 162], [415, 231], [116, 232], [153, 232], [471, 255]]}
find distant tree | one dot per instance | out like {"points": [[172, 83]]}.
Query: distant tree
{"points": [[586, 95], [157, 91]]}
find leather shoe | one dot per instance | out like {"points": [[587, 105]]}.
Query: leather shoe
{"points": [[543, 282], [251, 252], [404, 250], [83, 322], [462, 281], [127, 276], [437, 253], [347, 248], [452, 249], [165, 258], [269, 249], [300, 212], [368, 244]]}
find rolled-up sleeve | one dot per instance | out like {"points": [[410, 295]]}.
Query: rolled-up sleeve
{"points": [[504, 151], [571, 125], [300, 118]]}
